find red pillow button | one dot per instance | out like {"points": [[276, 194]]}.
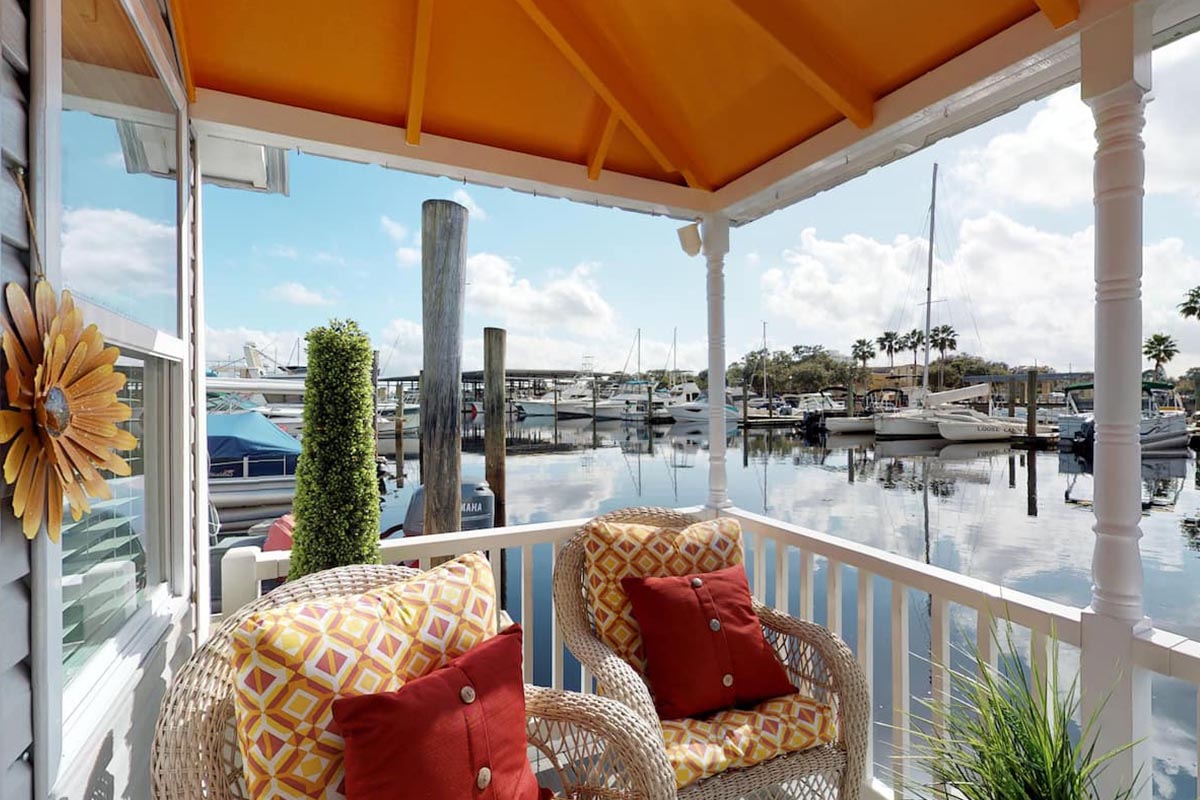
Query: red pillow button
{"points": [[715, 624], [727, 680], [697, 583], [483, 778], [467, 694]]}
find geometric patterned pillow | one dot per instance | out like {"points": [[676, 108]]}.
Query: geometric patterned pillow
{"points": [[291, 662], [615, 550]]}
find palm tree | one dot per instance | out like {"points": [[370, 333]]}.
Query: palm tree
{"points": [[1160, 348], [943, 338], [1190, 307], [889, 343], [915, 340], [863, 351]]}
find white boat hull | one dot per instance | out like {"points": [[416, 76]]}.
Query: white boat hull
{"points": [[850, 424], [537, 408], [974, 431], [906, 426], [698, 412]]}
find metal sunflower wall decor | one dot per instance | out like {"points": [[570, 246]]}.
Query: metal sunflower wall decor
{"points": [[62, 410]]}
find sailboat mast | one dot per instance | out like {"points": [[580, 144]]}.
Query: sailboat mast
{"points": [[639, 364], [929, 278]]}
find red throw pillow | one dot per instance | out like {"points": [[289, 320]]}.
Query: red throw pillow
{"points": [[705, 649], [458, 732]]}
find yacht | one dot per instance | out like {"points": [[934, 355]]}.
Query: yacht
{"points": [[697, 410], [619, 402], [938, 407], [574, 400], [635, 411], [876, 402]]}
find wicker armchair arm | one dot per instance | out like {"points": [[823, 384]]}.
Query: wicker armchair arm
{"points": [[597, 746], [826, 666]]}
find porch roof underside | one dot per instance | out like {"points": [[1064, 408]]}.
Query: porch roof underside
{"points": [[674, 107]]}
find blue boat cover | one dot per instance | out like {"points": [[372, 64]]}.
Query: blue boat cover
{"points": [[234, 437]]}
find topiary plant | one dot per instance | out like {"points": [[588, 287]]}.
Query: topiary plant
{"points": [[337, 499]]}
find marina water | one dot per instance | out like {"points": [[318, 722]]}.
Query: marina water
{"points": [[1008, 516]]}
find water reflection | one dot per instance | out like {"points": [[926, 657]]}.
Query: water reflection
{"points": [[1019, 519]]}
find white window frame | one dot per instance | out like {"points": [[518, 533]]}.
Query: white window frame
{"points": [[69, 718]]}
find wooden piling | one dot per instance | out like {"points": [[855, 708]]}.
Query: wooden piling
{"points": [[443, 281], [1031, 401], [494, 425], [595, 430], [745, 422], [1012, 396]]}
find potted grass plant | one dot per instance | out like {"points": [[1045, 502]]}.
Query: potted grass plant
{"points": [[1010, 732]]}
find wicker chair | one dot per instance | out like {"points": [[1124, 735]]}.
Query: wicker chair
{"points": [[595, 746], [818, 662]]}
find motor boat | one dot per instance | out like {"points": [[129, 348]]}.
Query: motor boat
{"points": [[1162, 428], [698, 410]]}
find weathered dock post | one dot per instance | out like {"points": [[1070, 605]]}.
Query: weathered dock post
{"points": [[495, 430], [443, 280], [1031, 407], [1012, 396], [745, 421]]}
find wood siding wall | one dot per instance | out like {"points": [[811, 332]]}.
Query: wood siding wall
{"points": [[16, 706]]}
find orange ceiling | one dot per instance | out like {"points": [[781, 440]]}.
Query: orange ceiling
{"points": [[704, 90]]}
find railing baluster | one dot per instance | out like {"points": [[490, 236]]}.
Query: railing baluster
{"points": [[939, 657], [900, 686], [1039, 660], [833, 596], [527, 608], [760, 567], [425, 563], [496, 559], [866, 651], [585, 679], [781, 576], [806, 585], [985, 638], [556, 646]]}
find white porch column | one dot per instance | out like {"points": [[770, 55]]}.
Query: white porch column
{"points": [[715, 238], [1115, 80]]}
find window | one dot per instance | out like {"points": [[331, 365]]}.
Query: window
{"points": [[112, 557], [120, 257], [120, 232]]}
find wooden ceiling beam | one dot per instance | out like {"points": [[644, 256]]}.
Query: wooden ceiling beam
{"points": [[420, 70], [810, 59], [612, 82], [603, 142], [1060, 12]]}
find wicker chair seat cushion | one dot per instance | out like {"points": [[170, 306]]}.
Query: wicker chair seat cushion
{"points": [[615, 550], [291, 662], [736, 738]]}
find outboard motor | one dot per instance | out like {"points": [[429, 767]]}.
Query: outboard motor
{"points": [[1085, 437], [478, 509]]}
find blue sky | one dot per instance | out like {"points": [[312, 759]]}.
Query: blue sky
{"points": [[1014, 249]]}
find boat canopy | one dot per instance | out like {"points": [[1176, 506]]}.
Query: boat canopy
{"points": [[1146, 386], [234, 438]]}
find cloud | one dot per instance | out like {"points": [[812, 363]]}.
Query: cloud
{"points": [[325, 257], [461, 197], [408, 256], [111, 255], [571, 301], [400, 348], [1049, 162], [115, 159], [1028, 292], [298, 294], [225, 345], [393, 229]]}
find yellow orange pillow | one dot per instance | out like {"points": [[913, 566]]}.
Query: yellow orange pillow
{"points": [[292, 662], [614, 550]]}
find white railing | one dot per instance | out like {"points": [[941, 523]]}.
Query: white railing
{"points": [[974, 603]]}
